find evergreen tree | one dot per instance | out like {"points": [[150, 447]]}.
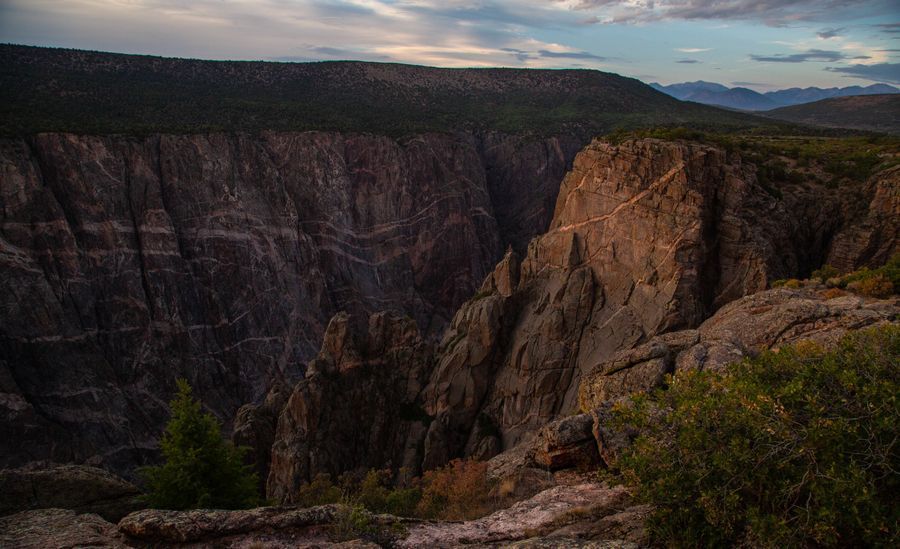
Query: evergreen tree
{"points": [[201, 469]]}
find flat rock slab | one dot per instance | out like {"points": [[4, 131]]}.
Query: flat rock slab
{"points": [[57, 529], [511, 524]]}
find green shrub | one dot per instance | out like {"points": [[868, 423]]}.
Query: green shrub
{"points": [[201, 469], [353, 522], [889, 271], [826, 272], [796, 448], [459, 490], [318, 492], [877, 286]]}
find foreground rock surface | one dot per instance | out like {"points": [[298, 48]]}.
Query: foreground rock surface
{"points": [[155, 526], [58, 529], [77, 488], [555, 510]]}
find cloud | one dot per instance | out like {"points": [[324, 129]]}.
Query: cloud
{"points": [[776, 13], [569, 55], [692, 50], [803, 57], [688, 61], [754, 84], [881, 72], [888, 28], [825, 34]]}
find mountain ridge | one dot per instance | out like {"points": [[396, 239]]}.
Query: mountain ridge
{"points": [[711, 93], [43, 89]]}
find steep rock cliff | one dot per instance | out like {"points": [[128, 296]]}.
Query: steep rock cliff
{"points": [[128, 262], [357, 407], [647, 237]]}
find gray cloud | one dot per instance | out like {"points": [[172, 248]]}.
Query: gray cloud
{"points": [[830, 33], [888, 28], [755, 84], [688, 61], [808, 55], [771, 12], [881, 72], [569, 55]]}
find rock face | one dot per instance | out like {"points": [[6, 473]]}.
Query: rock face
{"points": [[128, 262], [75, 487], [647, 237], [876, 237], [358, 407]]}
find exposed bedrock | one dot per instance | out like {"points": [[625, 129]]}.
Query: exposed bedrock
{"points": [[648, 239], [128, 262]]}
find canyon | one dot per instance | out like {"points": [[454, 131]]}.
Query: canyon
{"points": [[129, 262]]}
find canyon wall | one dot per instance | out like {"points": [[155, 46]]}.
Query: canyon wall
{"points": [[128, 262], [648, 237]]}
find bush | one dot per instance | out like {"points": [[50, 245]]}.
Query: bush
{"points": [[457, 491], [826, 272], [353, 522], [319, 492], [792, 283], [889, 272], [877, 286], [795, 448], [201, 469]]}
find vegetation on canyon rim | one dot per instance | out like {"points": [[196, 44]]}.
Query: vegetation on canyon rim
{"points": [[201, 469], [796, 447], [460, 490], [879, 283]]}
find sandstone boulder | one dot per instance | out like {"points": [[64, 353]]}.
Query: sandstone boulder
{"points": [[567, 443]]}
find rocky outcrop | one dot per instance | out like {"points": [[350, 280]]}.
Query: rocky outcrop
{"points": [[254, 428], [566, 443], [128, 262], [874, 238], [157, 526], [78, 488], [745, 327], [547, 512], [358, 407], [58, 529], [647, 237]]}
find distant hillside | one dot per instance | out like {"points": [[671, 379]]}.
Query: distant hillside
{"points": [[43, 89], [711, 93], [863, 112]]}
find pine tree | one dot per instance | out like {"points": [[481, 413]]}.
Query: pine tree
{"points": [[201, 469]]}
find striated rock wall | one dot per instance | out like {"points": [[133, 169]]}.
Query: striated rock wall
{"points": [[128, 262]]}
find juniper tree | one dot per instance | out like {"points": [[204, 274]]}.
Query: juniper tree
{"points": [[201, 469]]}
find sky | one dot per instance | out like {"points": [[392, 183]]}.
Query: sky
{"points": [[760, 44]]}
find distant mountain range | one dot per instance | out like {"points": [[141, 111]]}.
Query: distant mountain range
{"points": [[711, 93]]}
